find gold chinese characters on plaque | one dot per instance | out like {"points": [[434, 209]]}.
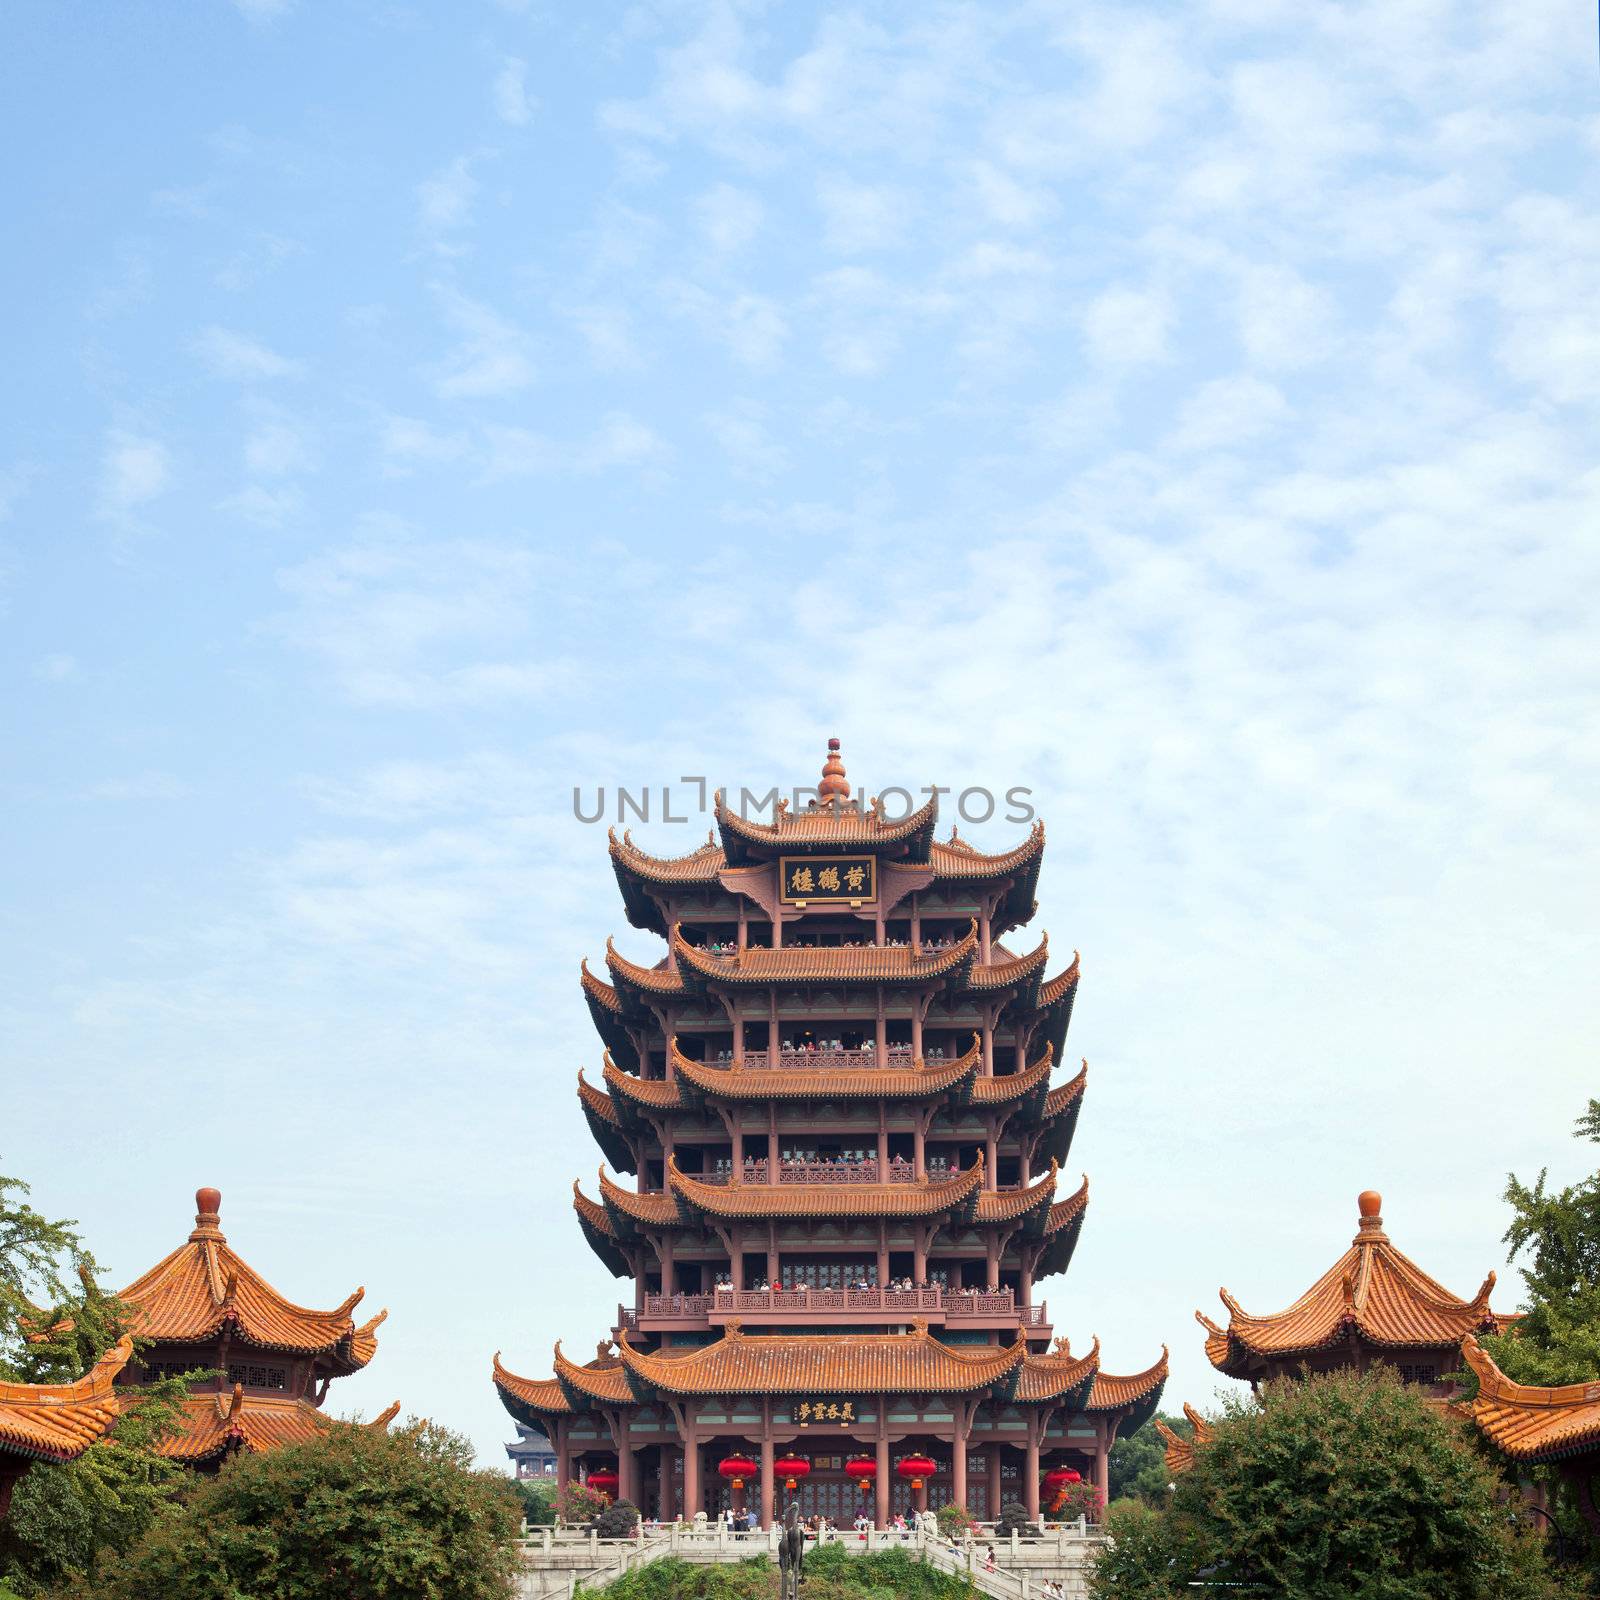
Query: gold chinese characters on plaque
{"points": [[827, 880], [841, 1411]]}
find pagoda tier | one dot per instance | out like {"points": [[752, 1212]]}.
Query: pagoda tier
{"points": [[57, 1422], [1373, 1304], [667, 1417], [204, 1308], [832, 1097]]}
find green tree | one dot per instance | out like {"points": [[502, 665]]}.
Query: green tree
{"points": [[1136, 1468], [57, 1323], [538, 1496], [1344, 1486], [1558, 1340], [355, 1513]]}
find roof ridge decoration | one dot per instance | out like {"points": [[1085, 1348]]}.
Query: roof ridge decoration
{"points": [[1112, 1391], [1180, 1450], [1008, 1086], [824, 825], [1053, 989], [1031, 1201], [1373, 1290], [1010, 969], [192, 1292], [58, 1421]]}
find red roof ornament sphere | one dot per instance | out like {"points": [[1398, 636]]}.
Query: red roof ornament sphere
{"points": [[834, 786]]}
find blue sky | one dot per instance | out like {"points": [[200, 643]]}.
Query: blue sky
{"points": [[1187, 412]]}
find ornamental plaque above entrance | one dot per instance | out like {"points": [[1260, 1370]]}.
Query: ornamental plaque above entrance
{"points": [[828, 880]]}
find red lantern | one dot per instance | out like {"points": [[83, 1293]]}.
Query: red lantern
{"points": [[603, 1481], [736, 1469], [791, 1469], [1060, 1477], [917, 1469], [863, 1469]]}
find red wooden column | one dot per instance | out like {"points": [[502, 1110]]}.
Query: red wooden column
{"points": [[882, 1484], [563, 1457], [962, 1410], [1030, 1472], [768, 1489], [691, 1474], [993, 1450], [1102, 1449], [669, 1487], [625, 1463]]}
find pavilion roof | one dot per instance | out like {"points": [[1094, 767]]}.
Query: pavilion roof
{"points": [[1530, 1422], [1054, 990], [1059, 1116], [1372, 1291], [1065, 1095], [760, 1200], [760, 964], [600, 1232], [602, 1379], [216, 1422], [541, 1396], [1032, 1200], [1138, 1390], [605, 1123], [1180, 1450], [1059, 1376], [1005, 1088], [189, 1295], [874, 1363], [650, 1210], [920, 1080], [699, 866], [832, 824], [652, 1094], [1063, 1222], [1012, 972], [59, 1421]]}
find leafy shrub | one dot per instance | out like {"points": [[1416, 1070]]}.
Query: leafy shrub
{"points": [[619, 1520], [953, 1520], [578, 1505], [1344, 1486], [355, 1513], [1014, 1519]]}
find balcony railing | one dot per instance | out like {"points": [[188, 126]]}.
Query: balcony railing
{"points": [[955, 1304], [822, 1170], [897, 1055]]}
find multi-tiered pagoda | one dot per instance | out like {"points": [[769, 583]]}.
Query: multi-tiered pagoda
{"points": [[834, 1100], [268, 1361], [1373, 1305]]}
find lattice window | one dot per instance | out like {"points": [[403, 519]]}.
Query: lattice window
{"points": [[253, 1376]]}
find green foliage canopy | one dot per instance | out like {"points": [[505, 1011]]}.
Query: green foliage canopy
{"points": [[357, 1514], [1558, 1341], [1340, 1487], [1136, 1468]]}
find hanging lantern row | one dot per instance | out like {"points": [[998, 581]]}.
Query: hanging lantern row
{"points": [[917, 1468], [863, 1469], [736, 1469], [791, 1469]]}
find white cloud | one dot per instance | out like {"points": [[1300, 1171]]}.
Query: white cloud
{"points": [[859, 217], [444, 200], [619, 441], [58, 667], [134, 469], [235, 355], [743, 433], [1128, 327], [276, 448], [1227, 413], [755, 329], [1285, 321], [511, 102], [492, 357], [409, 442], [729, 218], [267, 508], [141, 786], [607, 331]]}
